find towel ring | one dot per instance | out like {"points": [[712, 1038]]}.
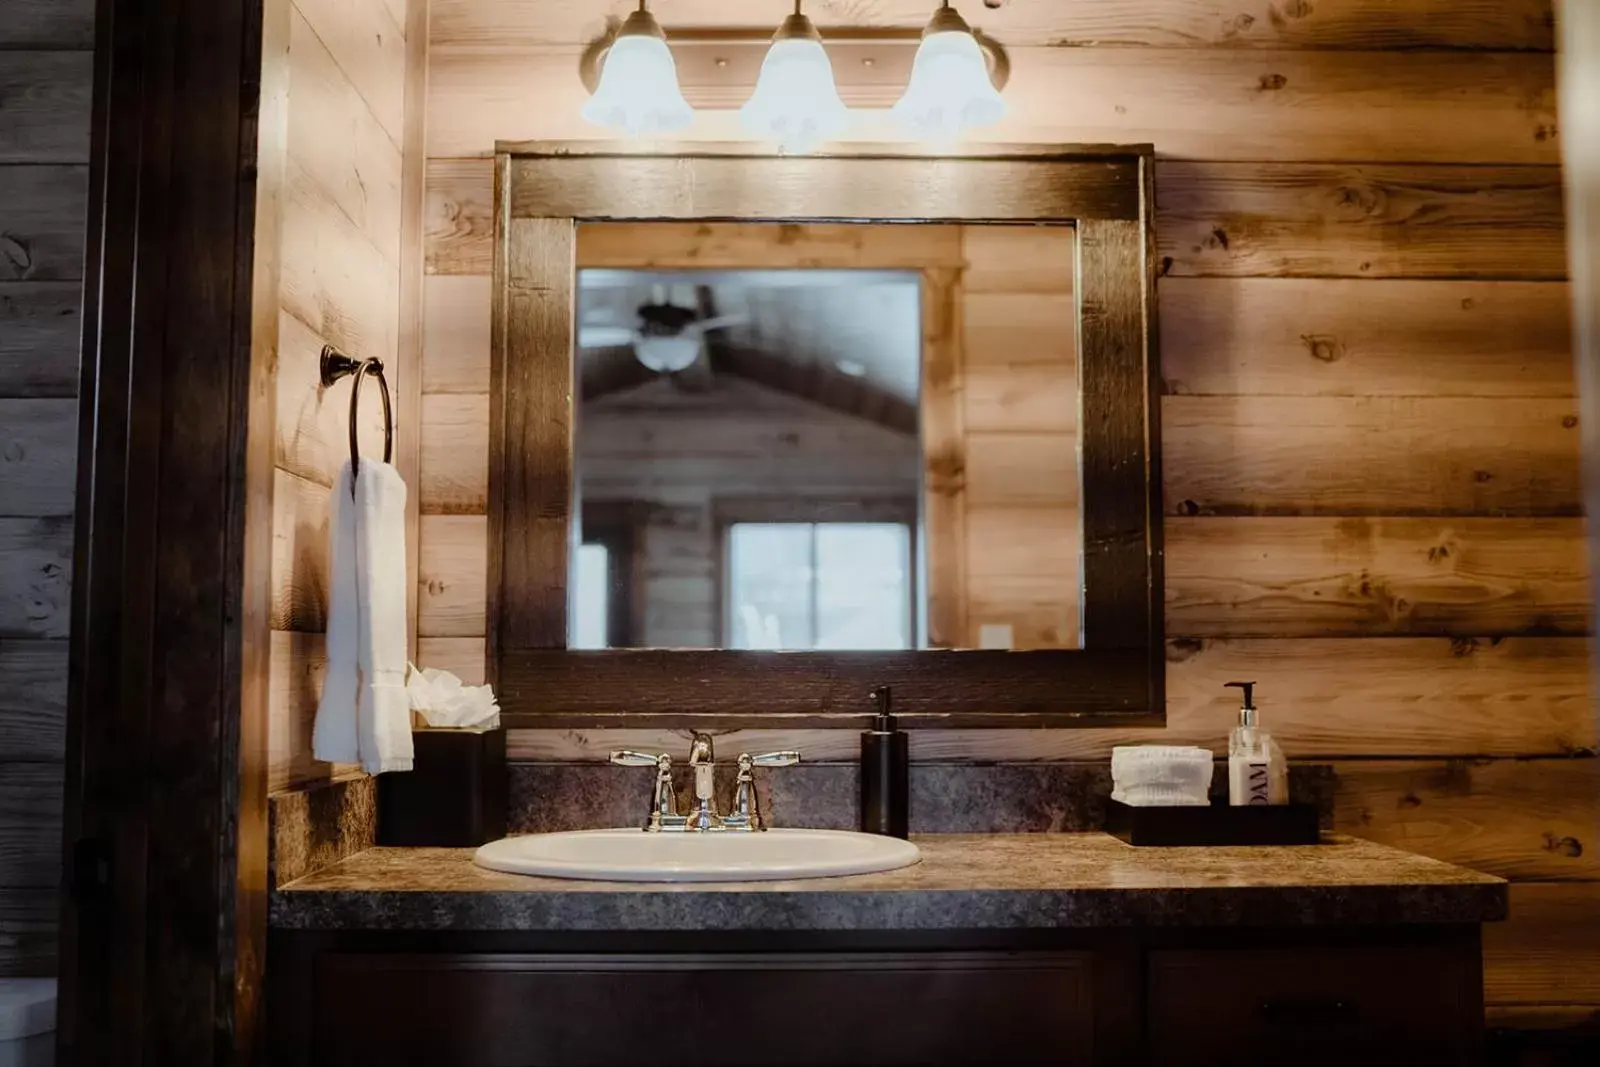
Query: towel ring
{"points": [[336, 365]]}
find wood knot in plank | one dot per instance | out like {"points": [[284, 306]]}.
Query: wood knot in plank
{"points": [[1240, 23], [1188, 507], [1298, 9], [1570, 847], [16, 255], [1268, 83], [1482, 477], [1182, 649], [1323, 347], [1462, 647], [1354, 202], [1569, 422]]}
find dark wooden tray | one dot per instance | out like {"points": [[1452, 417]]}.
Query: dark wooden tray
{"points": [[1218, 824]]}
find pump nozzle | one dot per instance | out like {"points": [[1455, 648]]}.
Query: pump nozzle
{"points": [[883, 720], [1247, 713]]}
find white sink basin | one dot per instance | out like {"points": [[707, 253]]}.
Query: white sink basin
{"points": [[635, 856]]}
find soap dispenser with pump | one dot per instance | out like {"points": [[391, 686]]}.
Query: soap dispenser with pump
{"points": [[1257, 771]]}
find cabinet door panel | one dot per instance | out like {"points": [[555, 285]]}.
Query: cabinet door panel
{"points": [[533, 1011], [1313, 1006]]}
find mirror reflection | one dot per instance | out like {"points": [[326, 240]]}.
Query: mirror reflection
{"points": [[792, 458]]}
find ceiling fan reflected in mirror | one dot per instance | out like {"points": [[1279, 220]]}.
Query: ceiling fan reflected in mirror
{"points": [[669, 336]]}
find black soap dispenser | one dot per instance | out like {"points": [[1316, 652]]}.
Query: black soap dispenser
{"points": [[885, 772]]}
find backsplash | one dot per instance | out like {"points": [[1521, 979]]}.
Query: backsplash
{"points": [[945, 798]]}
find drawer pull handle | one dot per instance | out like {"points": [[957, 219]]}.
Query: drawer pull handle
{"points": [[1309, 1012]]}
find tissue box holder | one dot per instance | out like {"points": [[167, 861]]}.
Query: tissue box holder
{"points": [[455, 794], [1216, 824]]}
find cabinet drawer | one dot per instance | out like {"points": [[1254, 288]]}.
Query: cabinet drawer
{"points": [[1351, 1006], [926, 1008]]}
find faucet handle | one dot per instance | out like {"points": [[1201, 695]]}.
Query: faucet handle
{"points": [[746, 814], [663, 800], [626, 758]]}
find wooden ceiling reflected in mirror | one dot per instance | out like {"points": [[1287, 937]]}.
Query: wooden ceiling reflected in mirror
{"points": [[801, 426]]}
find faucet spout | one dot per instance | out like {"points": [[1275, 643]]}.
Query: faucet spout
{"points": [[703, 759]]}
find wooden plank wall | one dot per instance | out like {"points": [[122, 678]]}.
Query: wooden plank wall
{"points": [[344, 252], [1018, 387], [1370, 420], [46, 77]]}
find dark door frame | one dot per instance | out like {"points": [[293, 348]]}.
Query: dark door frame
{"points": [[164, 924]]}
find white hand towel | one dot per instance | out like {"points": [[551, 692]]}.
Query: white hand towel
{"points": [[365, 714]]}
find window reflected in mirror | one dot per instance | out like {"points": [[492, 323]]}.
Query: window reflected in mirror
{"points": [[874, 459]]}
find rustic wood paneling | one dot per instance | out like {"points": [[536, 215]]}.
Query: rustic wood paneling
{"points": [[38, 456], [735, 246], [296, 662], [1370, 455], [1354, 337], [1317, 577], [335, 136], [64, 24], [334, 280], [30, 824], [455, 346], [46, 73], [368, 42], [41, 222], [1520, 819], [1419, 697], [1357, 24], [39, 338], [36, 579], [44, 106], [28, 919], [1264, 105], [462, 656], [1548, 951], [313, 423], [1228, 219], [1304, 219], [455, 454], [33, 701], [451, 576], [300, 516]]}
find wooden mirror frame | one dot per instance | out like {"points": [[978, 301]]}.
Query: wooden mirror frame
{"points": [[543, 190]]}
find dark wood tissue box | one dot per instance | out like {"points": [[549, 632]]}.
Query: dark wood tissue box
{"points": [[454, 796], [1216, 824]]}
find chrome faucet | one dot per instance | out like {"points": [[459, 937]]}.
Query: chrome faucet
{"points": [[703, 762], [664, 817]]}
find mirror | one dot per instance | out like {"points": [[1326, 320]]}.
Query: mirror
{"points": [[767, 432], [774, 456]]}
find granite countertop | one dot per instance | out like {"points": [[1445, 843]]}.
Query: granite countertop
{"points": [[964, 882]]}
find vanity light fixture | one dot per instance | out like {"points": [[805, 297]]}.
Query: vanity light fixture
{"points": [[638, 86], [952, 88], [795, 102]]}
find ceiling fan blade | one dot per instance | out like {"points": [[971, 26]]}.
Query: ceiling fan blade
{"points": [[601, 336], [723, 322]]}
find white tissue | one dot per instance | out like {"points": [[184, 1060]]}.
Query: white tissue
{"points": [[1159, 776], [440, 698]]}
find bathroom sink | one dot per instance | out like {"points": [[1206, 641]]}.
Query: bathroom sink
{"points": [[635, 856]]}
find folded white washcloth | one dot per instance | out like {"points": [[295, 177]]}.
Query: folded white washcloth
{"points": [[365, 714]]}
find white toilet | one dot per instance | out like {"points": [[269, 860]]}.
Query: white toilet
{"points": [[27, 1022]]}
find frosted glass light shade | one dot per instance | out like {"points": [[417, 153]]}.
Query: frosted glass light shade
{"points": [[795, 102], [669, 355], [638, 92], [950, 90]]}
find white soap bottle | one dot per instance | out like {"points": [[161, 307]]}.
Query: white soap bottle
{"points": [[1257, 771]]}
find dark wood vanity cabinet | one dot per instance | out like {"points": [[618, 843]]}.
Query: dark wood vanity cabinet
{"points": [[1404, 995]]}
